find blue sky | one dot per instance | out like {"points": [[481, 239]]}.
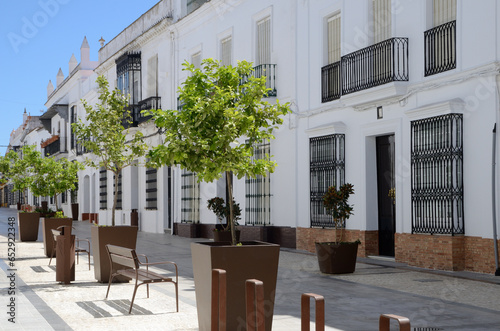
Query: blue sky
{"points": [[39, 36]]}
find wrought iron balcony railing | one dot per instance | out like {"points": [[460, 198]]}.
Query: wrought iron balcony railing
{"points": [[146, 104], [440, 44], [52, 145], [268, 70], [378, 64]]}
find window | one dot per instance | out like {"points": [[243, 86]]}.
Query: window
{"points": [[128, 72], [437, 175], [330, 74], [119, 192], [333, 38], [226, 51], [258, 193], [382, 20], [151, 188], [196, 60], [152, 78], [263, 41], [103, 189], [440, 41], [73, 119], [327, 168], [190, 198]]}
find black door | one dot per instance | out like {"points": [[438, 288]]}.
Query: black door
{"points": [[386, 197]]}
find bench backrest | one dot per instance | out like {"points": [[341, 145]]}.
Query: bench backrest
{"points": [[55, 233], [123, 256]]}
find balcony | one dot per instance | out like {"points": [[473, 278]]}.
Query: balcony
{"points": [[51, 146], [146, 104], [440, 44], [268, 70], [371, 66]]}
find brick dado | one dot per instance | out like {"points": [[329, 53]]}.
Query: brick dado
{"points": [[446, 252], [306, 237]]}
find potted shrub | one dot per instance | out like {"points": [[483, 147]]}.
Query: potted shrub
{"points": [[50, 223], [113, 148], [222, 232], [338, 256], [222, 119], [19, 168]]}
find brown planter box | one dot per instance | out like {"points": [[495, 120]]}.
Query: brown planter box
{"points": [[337, 258], [28, 224], [65, 260], [74, 211], [255, 259], [48, 239], [125, 236]]}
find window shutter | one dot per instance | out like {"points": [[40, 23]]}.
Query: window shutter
{"points": [[444, 11], [225, 51], [333, 35], [264, 41], [152, 80], [196, 60], [382, 20]]}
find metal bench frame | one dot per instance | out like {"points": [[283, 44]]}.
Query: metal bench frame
{"points": [[78, 249], [128, 264]]}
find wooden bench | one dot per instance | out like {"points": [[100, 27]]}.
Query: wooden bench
{"points": [[125, 262]]}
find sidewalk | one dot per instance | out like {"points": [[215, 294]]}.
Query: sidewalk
{"points": [[432, 300]]}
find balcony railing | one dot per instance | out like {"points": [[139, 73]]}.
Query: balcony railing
{"points": [[52, 145], [440, 48], [146, 104], [268, 70], [384, 62]]}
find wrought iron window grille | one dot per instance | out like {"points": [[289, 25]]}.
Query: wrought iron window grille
{"points": [[151, 188], [258, 192], [437, 192], [103, 189]]}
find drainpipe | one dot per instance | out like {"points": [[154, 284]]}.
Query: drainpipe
{"points": [[495, 243]]}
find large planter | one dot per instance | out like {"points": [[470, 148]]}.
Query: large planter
{"points": [[48, 239], [226, 236], [28, 224], [125, 236], [336, 258], [252, 260]]}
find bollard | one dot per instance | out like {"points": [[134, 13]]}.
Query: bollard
{"points": [[255, 305], [305, 304], [218, 319], [385, 320]]}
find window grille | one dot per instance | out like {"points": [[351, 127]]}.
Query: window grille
{"points": [[73, 120], [263, 41], [151, 188], [119, 192], [190, 198], [437, 175], [258, 192], [103, 189], [327, 168], [226, 51], [128, 72], [333, 36]]}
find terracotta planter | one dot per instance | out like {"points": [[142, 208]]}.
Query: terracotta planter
{"points": [[28, 224], [337, 258], [48, 239], [125, 236], [225, 236], [255, 259]]}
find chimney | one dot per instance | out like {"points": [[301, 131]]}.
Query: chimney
{"points": [[50, 89], [72, 64], [25, 116], [85, 54], [59, 78]]}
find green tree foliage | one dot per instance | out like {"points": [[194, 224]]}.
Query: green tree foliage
{"points": [[223, 117], [103, 133]]}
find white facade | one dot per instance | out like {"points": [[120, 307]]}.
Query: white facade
{"points": [[299, 38]]}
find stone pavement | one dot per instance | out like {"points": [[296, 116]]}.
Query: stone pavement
{"points": [[432, 300]]}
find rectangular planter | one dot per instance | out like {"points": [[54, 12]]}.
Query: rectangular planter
{"points": [[252, 260], [125, 236], [48, 239], [28, 224]]}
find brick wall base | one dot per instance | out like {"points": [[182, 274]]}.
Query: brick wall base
{"points": [[455, 253], [306, 237]]}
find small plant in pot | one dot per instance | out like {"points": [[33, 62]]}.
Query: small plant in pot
{"points": [[338, 256], [222, 232]]}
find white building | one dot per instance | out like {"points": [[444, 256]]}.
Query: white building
{"points": [[398, 98]]}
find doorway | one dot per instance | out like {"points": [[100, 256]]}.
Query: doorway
{"points": [[386, 194]]}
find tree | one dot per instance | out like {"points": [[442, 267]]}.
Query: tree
{"points": [[54, 177], [20, 168], [222, 119], [104, 134]]}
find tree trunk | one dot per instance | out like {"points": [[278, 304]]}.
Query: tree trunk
{"points": [[55, 199], [229, 182]]}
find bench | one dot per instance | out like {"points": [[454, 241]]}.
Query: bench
{"points": [[125, 262]]}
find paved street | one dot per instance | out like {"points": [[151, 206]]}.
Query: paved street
{"points": [[432, 300]]}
